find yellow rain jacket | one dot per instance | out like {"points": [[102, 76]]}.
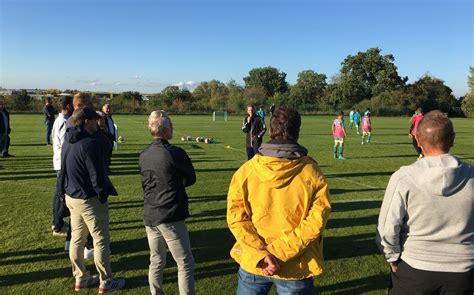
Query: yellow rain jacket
{"points": [[282, 204]]}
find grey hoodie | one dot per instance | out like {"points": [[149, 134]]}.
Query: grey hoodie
{"points": [[282, 149], [427, 215]]}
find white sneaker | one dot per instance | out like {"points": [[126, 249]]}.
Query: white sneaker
{"points": [[88, 253], [110, 286], [66, 246], [82, 284]]}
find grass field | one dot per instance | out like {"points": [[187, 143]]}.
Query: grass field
{"points": [[33, 262]]}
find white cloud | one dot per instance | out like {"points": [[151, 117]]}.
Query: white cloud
{"points": [[136, 77], [190, 85]]}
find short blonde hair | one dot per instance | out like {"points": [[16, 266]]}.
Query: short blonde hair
{"points": [[157, 121], [82, 99]]}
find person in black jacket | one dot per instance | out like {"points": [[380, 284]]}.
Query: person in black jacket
{"points": [[49, 115], [110, 130], [4, 131], [255, 128], [87, 187], [165, 172]]}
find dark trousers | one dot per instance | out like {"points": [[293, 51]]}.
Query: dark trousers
{"points": [[252, 151], [417, 148], [109, 156], [4, 143], [58, 221], [408, 280], [49, 128]]}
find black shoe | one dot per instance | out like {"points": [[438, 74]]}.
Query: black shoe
{"points": [[7, 155]]}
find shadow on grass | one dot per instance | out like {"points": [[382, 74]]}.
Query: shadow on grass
{"points": [[28, 277], [30, 177], [349, 246], [353, 206], [125, 155], [217, 169], [37, 251], [357, 286], [361, 174], [205, 199], [28, 172], [28, 144], [337, 191], [389, 156], [350, 222]]}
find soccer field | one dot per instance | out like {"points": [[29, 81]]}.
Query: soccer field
{"points": [[33, 262]]}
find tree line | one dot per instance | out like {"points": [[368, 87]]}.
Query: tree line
{"points": [[366, 79]]}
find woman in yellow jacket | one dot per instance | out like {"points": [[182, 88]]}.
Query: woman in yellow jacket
{"points": [[277, 208]]}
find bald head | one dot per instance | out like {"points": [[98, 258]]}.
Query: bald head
{"points": [[82, 100], [435, 133]]}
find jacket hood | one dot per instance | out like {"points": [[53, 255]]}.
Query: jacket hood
{"points": [[282, 149], [277, 163], [74, 134], [442, 175]]}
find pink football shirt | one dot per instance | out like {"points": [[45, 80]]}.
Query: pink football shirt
{"points": [[338, 128]]}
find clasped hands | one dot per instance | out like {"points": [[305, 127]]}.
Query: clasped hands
{"points": [[268, 264]]}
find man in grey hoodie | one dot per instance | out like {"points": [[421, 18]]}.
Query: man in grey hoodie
{"points": [[426, 224]]}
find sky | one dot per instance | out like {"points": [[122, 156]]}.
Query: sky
{"points": [[122, 45]]}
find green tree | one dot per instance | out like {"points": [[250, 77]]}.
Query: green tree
{"points": [[468, 101], [308, 90], [20, 101], [431, 93], [470, 79], [181, 99], [270, 79], [235, 97], [255, 96], [365, 75], [129, 101], [211, 95]]}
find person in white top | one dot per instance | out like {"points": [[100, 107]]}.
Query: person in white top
{"points": [[57, 134]]}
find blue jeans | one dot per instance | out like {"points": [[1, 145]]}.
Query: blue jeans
{"points": [[250, 284]]}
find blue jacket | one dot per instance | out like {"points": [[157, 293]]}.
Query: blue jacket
{"points": [[83, 171]]}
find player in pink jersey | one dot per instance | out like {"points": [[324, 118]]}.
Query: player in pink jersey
{"points": [[367, 128], [415, 120], [339, 133]]}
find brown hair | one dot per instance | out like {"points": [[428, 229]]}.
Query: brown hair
{"points": [[82, 100], [285, 124], [65, 101], [436, 130]]}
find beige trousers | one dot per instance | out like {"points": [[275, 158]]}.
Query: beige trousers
{"points": [[89, 215]]}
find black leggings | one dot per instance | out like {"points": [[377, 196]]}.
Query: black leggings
{"points": [[417, 148]]}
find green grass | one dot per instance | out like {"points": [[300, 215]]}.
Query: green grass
{"points": [[33, 262]]}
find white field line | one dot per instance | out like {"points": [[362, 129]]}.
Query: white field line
{"points": [[354, 182], [339, 178]]}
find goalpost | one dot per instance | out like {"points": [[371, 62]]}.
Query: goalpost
{"points": [[219, 114]]}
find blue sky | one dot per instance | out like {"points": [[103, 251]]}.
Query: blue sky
{"points": [[118, 45]]}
